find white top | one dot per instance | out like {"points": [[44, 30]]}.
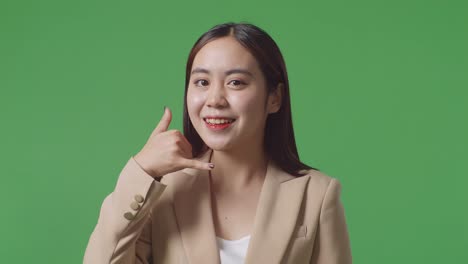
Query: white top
{"points": [[233, 251]]}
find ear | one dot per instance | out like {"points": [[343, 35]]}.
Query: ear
{"points": [[275, 98]]}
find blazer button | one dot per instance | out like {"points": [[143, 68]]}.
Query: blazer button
{"points": [[139, 198], [135, 206], [129, 216]]}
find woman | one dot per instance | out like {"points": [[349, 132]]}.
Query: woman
{"points": [[231, 189]]}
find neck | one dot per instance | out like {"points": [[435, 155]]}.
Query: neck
{"points": [[237, 169]]}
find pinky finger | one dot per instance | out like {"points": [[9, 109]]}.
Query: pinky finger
{"points": [[196, 164]]}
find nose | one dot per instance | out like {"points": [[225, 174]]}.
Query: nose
{"points": [[216, 96]]}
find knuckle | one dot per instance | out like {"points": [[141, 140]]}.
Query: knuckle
{"points": [[173, 131], [174, 148]]}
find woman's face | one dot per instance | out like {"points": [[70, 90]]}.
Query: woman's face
{"points": [[226, 84]]}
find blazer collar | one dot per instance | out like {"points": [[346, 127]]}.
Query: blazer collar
{"points": [[277, 211]]}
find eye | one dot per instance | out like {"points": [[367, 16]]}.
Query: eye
{"points": [[201, 82], [237, 83]]}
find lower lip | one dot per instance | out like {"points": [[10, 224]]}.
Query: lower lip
{"points": [[218, 127]]}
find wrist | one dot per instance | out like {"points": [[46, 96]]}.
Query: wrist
{"points": [[151, 173]]}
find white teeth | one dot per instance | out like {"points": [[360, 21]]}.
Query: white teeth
{"points": [[219, 121]]}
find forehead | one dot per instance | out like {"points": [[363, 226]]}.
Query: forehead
{"points": [[224, 54]]}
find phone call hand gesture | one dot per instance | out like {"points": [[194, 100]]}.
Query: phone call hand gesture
{"points": [[167, 151]]}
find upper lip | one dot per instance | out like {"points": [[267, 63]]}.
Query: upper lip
{"points": [[217, 117]]}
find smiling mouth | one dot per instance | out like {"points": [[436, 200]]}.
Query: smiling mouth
{"points": [[218, 124], [223, 121]]}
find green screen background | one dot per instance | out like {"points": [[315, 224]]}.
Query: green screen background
{"points": [[379, 98]]}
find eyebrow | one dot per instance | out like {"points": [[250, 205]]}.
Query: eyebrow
{"points": [[228, 72]]}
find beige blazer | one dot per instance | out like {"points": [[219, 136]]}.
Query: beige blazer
{"points": [[298, 220]]}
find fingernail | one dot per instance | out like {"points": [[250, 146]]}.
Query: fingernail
{"points": [[211, 165]]}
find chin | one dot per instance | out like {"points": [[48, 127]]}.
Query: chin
{"points": [[218, 146]]}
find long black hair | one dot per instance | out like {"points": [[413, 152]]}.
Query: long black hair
{"points": [[279, 141]]}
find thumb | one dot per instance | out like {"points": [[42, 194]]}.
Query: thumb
{"points": [[164, 122]]}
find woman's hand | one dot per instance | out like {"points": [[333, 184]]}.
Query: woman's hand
{"points": [[167, 151]]}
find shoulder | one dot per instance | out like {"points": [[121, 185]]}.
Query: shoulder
{"points": [[318, 178], [320, 183]]}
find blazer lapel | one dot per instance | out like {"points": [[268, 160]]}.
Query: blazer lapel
{"points": [[275, 220], [192, 205]]}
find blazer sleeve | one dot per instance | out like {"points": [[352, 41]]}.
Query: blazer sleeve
{"points": [[332, 245], [123, 230]]}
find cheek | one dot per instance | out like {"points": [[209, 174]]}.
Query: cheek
{"points": [[248, 104], [194, 102]]}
